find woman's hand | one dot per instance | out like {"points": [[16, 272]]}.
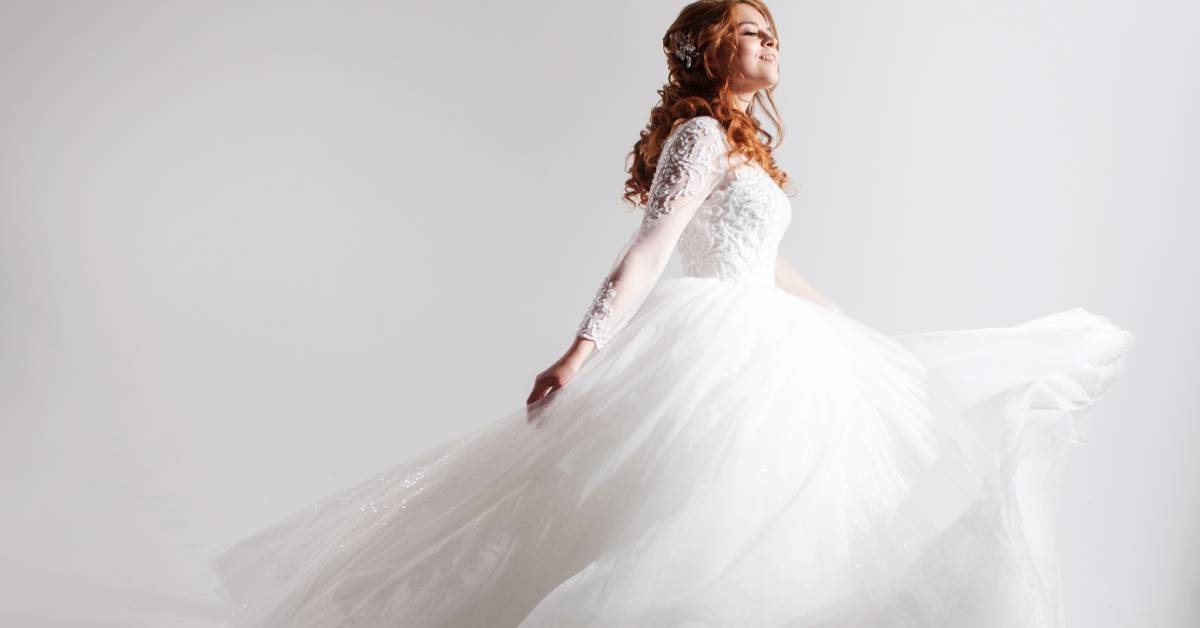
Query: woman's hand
{"points": [[559, 373], [789, 279]]}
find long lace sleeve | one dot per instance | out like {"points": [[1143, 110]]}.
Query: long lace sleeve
{"points": [[693, 161]]}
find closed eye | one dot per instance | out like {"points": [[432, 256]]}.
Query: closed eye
{"points": [[749, 34]]}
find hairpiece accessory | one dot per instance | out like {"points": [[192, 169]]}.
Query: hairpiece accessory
{"points": [[685, 50]]}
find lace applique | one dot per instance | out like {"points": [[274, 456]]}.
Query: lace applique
{"points": [[594, 325], [686, 161], [692, 163], [736, 234]]}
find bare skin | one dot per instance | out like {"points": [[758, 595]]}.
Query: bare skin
{"points": [[562, 370], [757, 69], [758, 55]]}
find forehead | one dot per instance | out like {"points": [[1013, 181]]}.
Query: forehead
{"points": [[746, 13]]}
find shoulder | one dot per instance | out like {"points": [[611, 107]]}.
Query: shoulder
{"points": [[696, 133], [705, 125]]}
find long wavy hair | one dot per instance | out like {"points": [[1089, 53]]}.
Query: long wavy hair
{"points": [[704, 89]]}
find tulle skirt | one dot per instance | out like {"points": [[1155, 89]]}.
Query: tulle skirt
{"points": [[735, 457]]}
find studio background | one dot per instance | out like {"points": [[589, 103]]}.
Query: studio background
{"points": [[251, 255]]}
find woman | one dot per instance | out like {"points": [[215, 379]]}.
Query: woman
{"points": [[736, 453]]}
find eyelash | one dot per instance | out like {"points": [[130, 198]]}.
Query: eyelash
{"points": [[751, 34]]}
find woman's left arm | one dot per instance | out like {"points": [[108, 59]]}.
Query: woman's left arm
{"points": [[789, 279]]}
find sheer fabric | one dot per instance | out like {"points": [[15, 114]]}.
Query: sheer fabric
{"points": [[736, 456], [693, 161]]}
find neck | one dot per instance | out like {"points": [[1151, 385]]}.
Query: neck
{"points": [[742, 101]]}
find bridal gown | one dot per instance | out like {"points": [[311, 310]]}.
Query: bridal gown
{"points": [[730, 455]]}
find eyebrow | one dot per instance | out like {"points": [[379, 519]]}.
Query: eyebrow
{"points": [[762, 27]]}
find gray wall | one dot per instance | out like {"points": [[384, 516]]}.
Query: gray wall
{"points": [[250, 255]]}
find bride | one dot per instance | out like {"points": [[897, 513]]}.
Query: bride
{"points": [[721, 449]]}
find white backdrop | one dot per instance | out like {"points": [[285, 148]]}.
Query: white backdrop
{"points": [[250, 255]]}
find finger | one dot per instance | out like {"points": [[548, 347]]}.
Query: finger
{"points": [[536, 395], [549, 390]]}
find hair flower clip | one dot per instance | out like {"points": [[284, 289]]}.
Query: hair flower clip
{"points": [[685, 50]]}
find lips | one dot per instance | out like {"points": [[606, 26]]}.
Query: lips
{"points": [[769, 58]]}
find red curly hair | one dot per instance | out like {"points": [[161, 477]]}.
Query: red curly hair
{"points": [[704, 90]]}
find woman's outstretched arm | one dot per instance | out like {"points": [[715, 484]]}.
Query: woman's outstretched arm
{"points": [[693, 161]]}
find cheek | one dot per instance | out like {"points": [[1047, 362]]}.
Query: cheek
{"points": [[749, 54]]}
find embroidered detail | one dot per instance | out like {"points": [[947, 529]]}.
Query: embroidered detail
{"points": [[594, 325], [736, 217], [688, 157], [735, 234]]}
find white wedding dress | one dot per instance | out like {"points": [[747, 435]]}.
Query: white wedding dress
{"points": [[732, 456]]}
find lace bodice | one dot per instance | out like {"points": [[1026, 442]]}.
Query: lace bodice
{"points": [[736, 232], [725, 217]]}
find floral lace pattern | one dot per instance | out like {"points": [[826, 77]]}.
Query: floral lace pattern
{"points": [[736, 234], [725, 221], [594, 325], [685, 163]]}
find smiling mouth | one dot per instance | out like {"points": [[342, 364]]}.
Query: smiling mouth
{"points": [[769, 58]]}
